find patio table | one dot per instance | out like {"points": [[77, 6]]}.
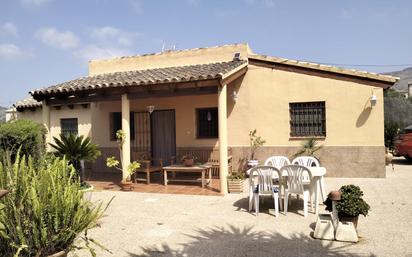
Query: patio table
{"points": [[203, 169], [317, 184]]}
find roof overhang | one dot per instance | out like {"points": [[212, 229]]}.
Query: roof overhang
{"points": [[375, 79], [162, 82]]}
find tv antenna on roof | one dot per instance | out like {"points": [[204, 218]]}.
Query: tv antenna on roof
{"points": [[168, 48]]}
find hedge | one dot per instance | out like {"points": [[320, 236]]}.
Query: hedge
{"points": [[27, 135]]}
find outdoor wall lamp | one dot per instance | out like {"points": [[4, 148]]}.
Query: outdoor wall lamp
{"points": [[234, 96], [373, 99], [150, 108]]}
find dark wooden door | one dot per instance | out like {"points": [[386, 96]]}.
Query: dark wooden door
{"points": [[163, 132]]}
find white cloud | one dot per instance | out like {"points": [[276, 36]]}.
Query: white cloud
{"points": [[112, 35], [58, 39], [28, 3], [93, 52], [8, 29], [11, 51]]}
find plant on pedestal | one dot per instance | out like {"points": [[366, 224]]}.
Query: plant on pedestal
{"points": [[255, 142], [351, 204], [112, 162]]}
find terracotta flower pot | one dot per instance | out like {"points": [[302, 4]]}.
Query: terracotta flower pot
{"points": [[126, 185], [188, 162]]}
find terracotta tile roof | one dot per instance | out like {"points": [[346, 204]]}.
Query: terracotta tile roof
{"points": [[322, 67], [27, 102], [175, 74]]}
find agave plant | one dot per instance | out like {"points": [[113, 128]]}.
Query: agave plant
{"points": [[75, 149]]}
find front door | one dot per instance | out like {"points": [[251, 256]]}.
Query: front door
{"points": [[163, 134]]}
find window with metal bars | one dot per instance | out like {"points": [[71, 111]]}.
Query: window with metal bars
{"points": [[116, 124], [307, 119], [69, 126], [207, 123]]}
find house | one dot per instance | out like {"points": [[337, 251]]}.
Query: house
{"points": [[210, 98]]}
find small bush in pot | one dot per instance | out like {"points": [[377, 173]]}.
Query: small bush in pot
{"points": [[255, 142], [235, 182], [351, 204], [112, 162]]}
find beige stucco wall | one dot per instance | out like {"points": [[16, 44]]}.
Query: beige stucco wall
{"points": [[184, 106], [35, 115], [263, 103], [83, 116], [169, 59]]}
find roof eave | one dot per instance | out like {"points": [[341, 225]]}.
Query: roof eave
{"points": [[326, 68]]}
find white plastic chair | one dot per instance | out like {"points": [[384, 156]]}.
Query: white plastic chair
{"points": [[307, 161], [298, 182], [277, 161], [264, 186]]}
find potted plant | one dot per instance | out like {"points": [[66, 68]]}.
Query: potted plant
{"points": [[308, 148], [255, 142], [188, 160], [351, 204], [235, 182], [111, 162]]}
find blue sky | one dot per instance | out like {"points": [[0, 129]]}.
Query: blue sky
{"points": [[43, 42]]}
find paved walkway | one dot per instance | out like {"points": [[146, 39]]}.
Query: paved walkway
{"points": [[148, 224]]}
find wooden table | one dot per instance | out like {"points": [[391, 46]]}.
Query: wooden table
{"points": [[203, 169]]}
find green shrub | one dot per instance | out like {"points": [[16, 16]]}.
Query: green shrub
{"points": [[45, 211], [236, 175], [351, 203], [391, 130], [26, 135]]}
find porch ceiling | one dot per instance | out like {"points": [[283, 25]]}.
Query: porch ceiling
{"points": [[150, 79]]}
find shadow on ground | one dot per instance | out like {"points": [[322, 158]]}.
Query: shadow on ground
{"points": [[233, 241], [267, 206]]}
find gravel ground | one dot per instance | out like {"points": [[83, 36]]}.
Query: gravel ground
{"points": [[145, 224]]}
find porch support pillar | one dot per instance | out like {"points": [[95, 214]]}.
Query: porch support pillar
{"points": [[222, 116], [46, 122], [126, 130]]}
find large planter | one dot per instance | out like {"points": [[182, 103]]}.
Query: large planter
{"points": [[388, 158], [353, 219], [87, 193], [235, 185]]}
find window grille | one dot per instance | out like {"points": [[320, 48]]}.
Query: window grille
{"points": [[307, 119]]}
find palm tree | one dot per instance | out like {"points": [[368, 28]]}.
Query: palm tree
{"points": [[308, 148], [76, 149]]}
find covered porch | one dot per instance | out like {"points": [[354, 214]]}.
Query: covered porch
{"points": [[155, 109]]}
